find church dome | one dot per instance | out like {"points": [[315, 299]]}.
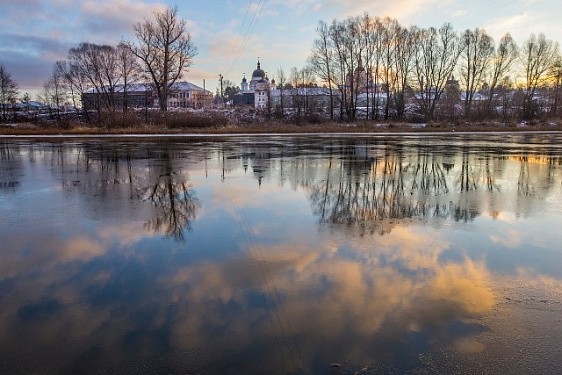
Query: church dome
{"points": [[258, 73]]}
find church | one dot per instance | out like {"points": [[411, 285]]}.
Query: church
{"points": [[257, 91]]}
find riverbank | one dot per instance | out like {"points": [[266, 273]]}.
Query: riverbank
{"points": [[284, 128]]}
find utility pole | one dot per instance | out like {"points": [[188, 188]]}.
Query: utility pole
{"points": [[222, 96]]}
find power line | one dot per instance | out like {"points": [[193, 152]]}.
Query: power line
{"points": [[236, 40], [239, 46]]}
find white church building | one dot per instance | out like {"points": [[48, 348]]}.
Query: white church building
{"points": [[259, 87]]}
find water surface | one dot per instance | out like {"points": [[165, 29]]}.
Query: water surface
{"points": [[282, 254]]}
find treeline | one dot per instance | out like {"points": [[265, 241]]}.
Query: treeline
{"points": [[371, 68], [437, 72]]}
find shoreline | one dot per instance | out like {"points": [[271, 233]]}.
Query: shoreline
{"points": [[274, 134]]}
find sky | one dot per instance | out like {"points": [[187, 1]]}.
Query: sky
{"points": [[230, 35]]}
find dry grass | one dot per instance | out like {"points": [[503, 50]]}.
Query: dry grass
{"points": [[200, 126]]}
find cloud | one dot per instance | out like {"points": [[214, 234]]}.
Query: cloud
{"points": [[114, 19], [239, 198], [400, 9], [234, 52], [125, 234], [81, 248], [510, 238], [469, 345], [17, 10], [522, 24], [302, 6], [459, 13], [30, 59], [415, 249], [356, 292], [501, 25], [30, 48], [232, 47]]}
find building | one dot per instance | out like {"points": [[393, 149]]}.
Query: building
{"points": [[188, 95], [256, 92], [181, 95], [361, 81], [318, 97], [130, 96]]}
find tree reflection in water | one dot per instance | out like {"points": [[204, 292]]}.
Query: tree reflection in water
{"points": [[112, 174], [371, 193], [177, 202], [416, 183], [10, 163], [175, 199]]}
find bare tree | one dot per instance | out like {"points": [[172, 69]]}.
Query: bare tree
{"points": [[404, 52], [74, 81], [372, 38], [434, 63], [390, 27], [348, 48], [8, 92], [97, 66], [356, 71], [55, 90], [505, 55], [556, 76], [348, 56], [301, 80], [478, 49], [166, 50], [129, 70], [422, 61], [322, 59], [99, 74], [342, 66], [539, 54], [281, 82], [229, 92]]}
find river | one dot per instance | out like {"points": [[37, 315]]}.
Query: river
{"points": [[282, 254]]}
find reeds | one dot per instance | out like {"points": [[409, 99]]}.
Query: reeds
{"points": [[196, 123]]}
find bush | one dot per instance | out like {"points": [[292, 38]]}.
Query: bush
{"points": [[66, 123], [194, 121], [121, 120]]}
